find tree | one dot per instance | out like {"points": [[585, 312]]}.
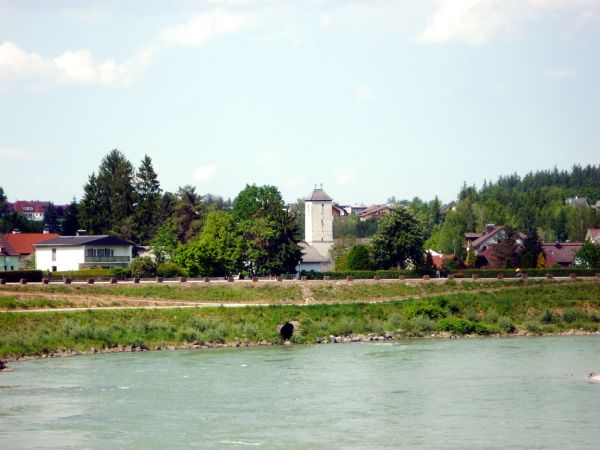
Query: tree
{"points": [[143, 267], [188, 214], [532, 247], [398, 241], [217, 251], [359, 258], [51, 219], [164, 243], [503, 252], [70, 223], [91, 215], [3, 206], [108, 197], [148, 199], [588, 256], [270, 235], [541, 261], [471, 258]]}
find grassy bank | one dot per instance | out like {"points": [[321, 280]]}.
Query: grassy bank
{"points": [[193, 292], [544, 308]]}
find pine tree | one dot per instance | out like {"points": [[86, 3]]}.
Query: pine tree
{"points": [[91, 210], [70, 223], [148, 201], [51, 218]]}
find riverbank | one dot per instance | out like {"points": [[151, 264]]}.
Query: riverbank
{"points": [[543, 309]]}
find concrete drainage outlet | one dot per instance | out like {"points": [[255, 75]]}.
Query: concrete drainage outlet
{"points": [[286, 331]]}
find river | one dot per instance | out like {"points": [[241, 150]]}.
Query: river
{"points": [[511, 393]]}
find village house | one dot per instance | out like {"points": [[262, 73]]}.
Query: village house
{"points": [[578, 201], [560, 253], [9, 258], [375, 212], [483, 244], [593, 235], [82, 252], [23, 244], [32, 210]]}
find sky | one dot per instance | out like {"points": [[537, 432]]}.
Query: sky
{"points": [[372, 99]]}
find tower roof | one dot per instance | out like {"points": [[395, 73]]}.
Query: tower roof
{"points": [[318, 195]]}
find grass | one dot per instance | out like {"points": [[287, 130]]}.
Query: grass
{"points": [[543, 308], [8, 302], [217, 293]]}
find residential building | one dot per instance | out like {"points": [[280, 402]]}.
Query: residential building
{"points": [[32, 209], [80, 252], [593, 235], [23, 243], [9, 258], [560, 253], [376, 212], [597, 206], [578, 201], [483, 245]]}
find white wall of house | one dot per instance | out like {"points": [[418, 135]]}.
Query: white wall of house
{"points": [[71, 257], [67, 258]]}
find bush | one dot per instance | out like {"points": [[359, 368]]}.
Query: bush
{"points": [[511, 273], [143, 267], [119, 273], [506, 325], [456, 325], [358, 258], [547, 317], [361, 274], [14, 276], [570, 316], [169, 270], [427, 310]]}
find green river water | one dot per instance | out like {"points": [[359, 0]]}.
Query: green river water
{"points": [[519, 393]]}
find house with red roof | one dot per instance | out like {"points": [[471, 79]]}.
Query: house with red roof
{"points": [[22, 244], [483, 244], [9, 258], [33, 209], [560, 253]]}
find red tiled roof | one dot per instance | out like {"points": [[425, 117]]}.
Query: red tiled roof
{"points": [[22, 206], [23, 242], [562, 253], [5, 248]]}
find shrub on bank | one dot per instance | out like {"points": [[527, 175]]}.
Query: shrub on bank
{"points": [[169, 270], [456, 325], [512, 273]]}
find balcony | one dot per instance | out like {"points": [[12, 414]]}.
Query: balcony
{"points": [[107, 259]]}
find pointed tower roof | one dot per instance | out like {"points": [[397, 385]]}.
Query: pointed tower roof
{"points": [[318, 195]]}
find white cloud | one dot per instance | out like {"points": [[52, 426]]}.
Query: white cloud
{"points": [[14, 153], [478, 21], [205, 173], [364, 93], [202, 28], [78, 67], [345, 175], [560, 74]]}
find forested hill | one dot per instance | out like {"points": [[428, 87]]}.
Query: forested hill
{"points": [[534, 202]]}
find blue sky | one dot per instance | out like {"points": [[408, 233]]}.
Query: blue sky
{"points": [[372, 99]]}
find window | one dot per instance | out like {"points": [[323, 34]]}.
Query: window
{"points": [[53, 254], [53, 268]]}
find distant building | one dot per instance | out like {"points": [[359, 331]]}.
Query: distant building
{"points": [[318, 232], [376, 212], [560, 253], [32, 210], [448, 207], [80, 252], [23, 244], [9, 258], [578, 201], [597, 206], [593, 235], [483, 244]]}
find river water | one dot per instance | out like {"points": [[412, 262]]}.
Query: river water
{"points": [[520, 393]]}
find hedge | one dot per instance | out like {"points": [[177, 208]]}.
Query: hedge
{"points": [[361, 274], [14, 276], [512, 273], [97, 274]]}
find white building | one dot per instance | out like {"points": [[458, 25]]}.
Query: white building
{"points": [[318, 232], [79, 252]]}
